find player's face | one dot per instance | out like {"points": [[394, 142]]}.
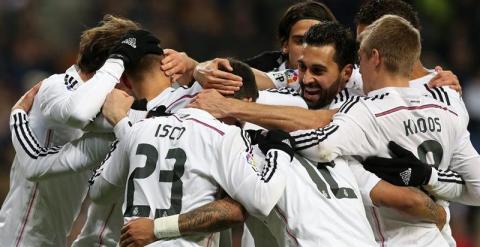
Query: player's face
{"points": [[319, 75], [294, 45]]}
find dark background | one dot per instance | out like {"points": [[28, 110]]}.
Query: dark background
{"points": [[38, 38]]}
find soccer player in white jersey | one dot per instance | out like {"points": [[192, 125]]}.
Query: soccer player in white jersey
{"points": [[364, 126], [30, 213], [339, 174], [266, 187]]}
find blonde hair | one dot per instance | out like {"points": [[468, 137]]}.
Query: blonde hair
{"points": [[397, 41], [95, 43]]}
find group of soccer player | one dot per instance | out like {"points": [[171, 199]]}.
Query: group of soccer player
{"points": [[299, 147]]}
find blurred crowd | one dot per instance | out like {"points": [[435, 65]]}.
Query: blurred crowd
{"points": [[40, 37]]}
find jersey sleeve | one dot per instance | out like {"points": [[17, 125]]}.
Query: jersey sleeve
{"points": [[110, 178], [462, 185], [366, 181], [39, 162], [236, 173], [352, 132], [78, 107], [284, 78]]}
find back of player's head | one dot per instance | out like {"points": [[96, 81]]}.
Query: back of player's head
{"points": [[249, 88], [303, 11], [147, 63], [397, 42], [337, 35], [95, 43], [372, 10]]}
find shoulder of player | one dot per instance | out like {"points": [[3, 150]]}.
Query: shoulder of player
{"points": [[443, 94], [283, 91], [357, 104]]}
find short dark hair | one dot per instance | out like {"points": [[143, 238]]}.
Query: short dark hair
{"points": [[372, 10], [249, 88], [302, 11], [336, 34]]}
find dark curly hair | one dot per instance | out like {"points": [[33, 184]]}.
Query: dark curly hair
{"points": [[336, 34], [372, 10], [302, 11]]}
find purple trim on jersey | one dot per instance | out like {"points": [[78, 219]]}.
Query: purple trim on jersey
{"points": [[410, 108], [29, 210], [289, 232], [177, 118], [382, 238], [207, 125], [100, 237], [184, 96]]}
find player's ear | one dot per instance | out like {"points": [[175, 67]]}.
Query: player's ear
{"points": [[346, 72], [285, 47], [125, 81], [375, 56]]}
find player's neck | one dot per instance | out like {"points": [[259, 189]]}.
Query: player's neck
{"points": [[85, 76], [151, 86], [386, 79], [418, 71]]}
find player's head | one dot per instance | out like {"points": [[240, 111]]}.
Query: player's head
{"points": [[326, 63], [295, 23], [372, 10], [248, 90], [389, 46], [95, 43]]}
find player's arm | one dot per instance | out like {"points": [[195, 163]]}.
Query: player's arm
{"points": [[212, 217], [352, 132], [39, 162], [257, 191], [410, 201], [79, 107], [465, 162], [288, 118]]}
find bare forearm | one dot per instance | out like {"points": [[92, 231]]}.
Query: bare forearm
{"points": [[426, 209], [263, 81], [213, 217], [288, 118]]}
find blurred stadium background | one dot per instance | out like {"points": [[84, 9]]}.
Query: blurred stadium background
{"points": [[40, 37]]}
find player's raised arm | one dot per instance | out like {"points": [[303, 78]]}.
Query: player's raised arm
{"points": [[77, 106], [288, 118]]}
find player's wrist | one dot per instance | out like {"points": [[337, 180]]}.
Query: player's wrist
{"points": [[166, 227]]}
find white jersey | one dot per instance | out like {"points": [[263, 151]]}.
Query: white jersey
{"points": [[364, 126], [104, 222], [329, 189], [186, 157], [40, 212]]}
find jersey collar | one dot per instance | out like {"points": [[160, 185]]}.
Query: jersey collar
{"points": [[161, 99]]}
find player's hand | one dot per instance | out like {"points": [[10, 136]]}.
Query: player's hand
{"points": [[134, 45], [256, 136], [402, 170], [26, 101], [209, 75], [211, 101], [116, 106], [277, 139], [445, 78], [137, 232], [178, 66]]}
